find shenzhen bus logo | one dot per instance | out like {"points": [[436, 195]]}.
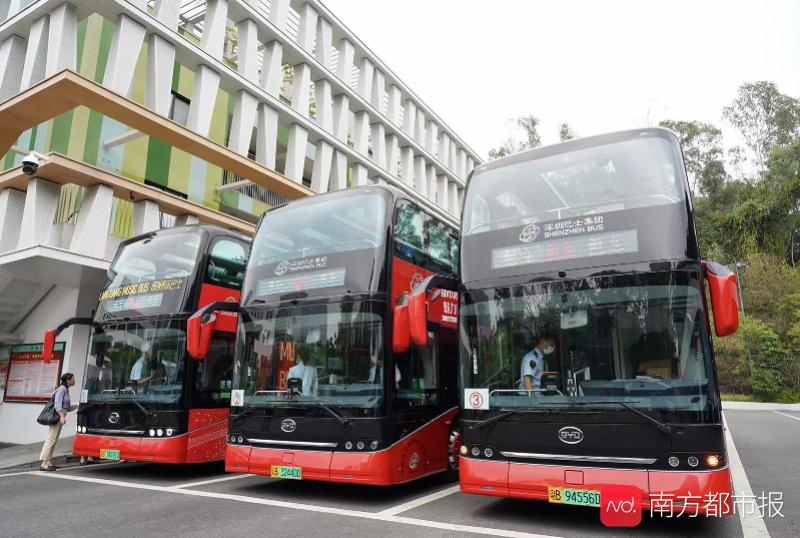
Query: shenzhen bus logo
{"points": [[570, 435], [529, 233], [282, 267]]}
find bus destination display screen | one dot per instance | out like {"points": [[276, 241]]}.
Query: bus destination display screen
{"points": [[306, 281]]}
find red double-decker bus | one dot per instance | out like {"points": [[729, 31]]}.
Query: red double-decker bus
{"points": [[143, 399], [346, 356], [586, 357]]}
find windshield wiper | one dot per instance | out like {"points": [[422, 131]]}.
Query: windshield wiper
{"points": [[247, 412], [661, 426], [504, 413], [144, 410], [342, 420]]}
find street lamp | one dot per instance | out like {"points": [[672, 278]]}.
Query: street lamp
{"points": [[736, 267]]}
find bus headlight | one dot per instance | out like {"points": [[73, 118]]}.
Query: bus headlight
{"points": [[240, 439], [232, 439], [152, 433], [693, 461], [476, 451], [488, 452], [348, 445], [712, 460], [360, 445], [673, 461], [373, 445], [169, 431], [160, 432], [464, 450]]}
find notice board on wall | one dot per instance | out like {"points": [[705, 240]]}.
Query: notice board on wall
{"points": [[5, 353], [30, 378]]}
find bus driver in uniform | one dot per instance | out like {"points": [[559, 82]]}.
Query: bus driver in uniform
{"points": [[534, 364]]}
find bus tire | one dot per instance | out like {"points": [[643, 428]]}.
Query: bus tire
{"points": [[453, 453]]}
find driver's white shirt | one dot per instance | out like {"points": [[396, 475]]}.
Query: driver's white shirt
{"points": [[309, 376], [137, 371]]}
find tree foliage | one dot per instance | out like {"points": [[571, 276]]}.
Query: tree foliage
{"points": [[529, 125], [565, 132], [765, 117], [702, 151]]}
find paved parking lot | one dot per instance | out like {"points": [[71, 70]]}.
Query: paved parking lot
{"points": [[133, 499]]}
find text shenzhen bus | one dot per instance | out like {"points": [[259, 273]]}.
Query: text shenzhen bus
{"points": [[143, 398], [586, 359], [341, 374]]}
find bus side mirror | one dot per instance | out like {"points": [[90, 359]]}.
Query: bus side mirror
{"points": [[401, 337], [199, 329], [49, 344], [418, 318], [724, 298]]}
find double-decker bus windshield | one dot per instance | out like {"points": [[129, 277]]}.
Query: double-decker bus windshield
{"points": [[610, 177], [140, 361], [331, 246], [150, 275], [638, 340], [334, 349]]}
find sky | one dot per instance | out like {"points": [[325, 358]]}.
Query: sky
{"points": [[600, 66]]}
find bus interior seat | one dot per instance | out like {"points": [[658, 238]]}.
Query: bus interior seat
{"points": [[653, 355]]}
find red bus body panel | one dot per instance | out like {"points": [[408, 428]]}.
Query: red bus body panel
{"points": [[205, 442], [422, 453], [530, 481]]}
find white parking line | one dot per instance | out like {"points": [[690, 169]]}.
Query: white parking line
{"points": [[752, 524], [393, 511], [787, 415], [15, 474], [300, 506], [211, 481]]}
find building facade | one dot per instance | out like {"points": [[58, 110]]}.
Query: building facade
{"points": [[182, 111]]}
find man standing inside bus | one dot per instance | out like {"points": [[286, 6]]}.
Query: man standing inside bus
{"points": [[533, 363]]}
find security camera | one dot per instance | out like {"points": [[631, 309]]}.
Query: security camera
{"points": [[31, 162]]}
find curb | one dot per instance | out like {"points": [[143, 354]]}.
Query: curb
{"points": [[57, 460], [760, 406]]}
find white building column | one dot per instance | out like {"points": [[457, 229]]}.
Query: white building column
{"points": [[296, 152], [185, 220], [94, 220], [378, 136], [441, 190], [267, 135], [378, 89], [247, 62], [452, 198], [12, 62], [420, 176], [323, 99], [359, 177], [12, 207], [393, 104], [126, 43], [392, 154], [410, 118], [36, 53], [430, 172], [278, 13], [338, 179], [407, 164], [322, 51], [344, 64], [301, 88], [204, 95], [272, 68], [244, 117], [160, 63], [461, 164], [216, 20], [361, 132], [470, 166], [341, 116], [62, 40], [444, 149], [419, 130], [431, 135], [321, 174], [167, 12], [366, 72], [308, 27], [41, 203], [146, 217]]}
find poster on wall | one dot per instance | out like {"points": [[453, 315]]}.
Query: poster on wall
{"points": [[30, 378], [5, 353]]}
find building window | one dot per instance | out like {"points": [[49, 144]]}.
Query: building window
{"points": [[179, 109]]}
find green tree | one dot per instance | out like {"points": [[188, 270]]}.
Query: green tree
{"points": [[529, 125], [765, 117], [565, 132], [702, 152]]}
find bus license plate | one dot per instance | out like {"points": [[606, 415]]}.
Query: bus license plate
{"points": [[285, 471], [580, 497], [109, 454]]}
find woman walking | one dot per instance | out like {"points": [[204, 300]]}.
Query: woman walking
{"points": [[62, 407]]}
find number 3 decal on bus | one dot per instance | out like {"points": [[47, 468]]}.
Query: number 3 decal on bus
{"points": [[476, 399]]}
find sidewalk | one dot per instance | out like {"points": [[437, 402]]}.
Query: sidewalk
{"points": [[760, 406], [28, 455]]}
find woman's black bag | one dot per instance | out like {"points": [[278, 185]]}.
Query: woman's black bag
{"points": [[48, 416]]}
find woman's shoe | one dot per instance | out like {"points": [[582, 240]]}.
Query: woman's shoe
{"points": [[51, 468]]}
